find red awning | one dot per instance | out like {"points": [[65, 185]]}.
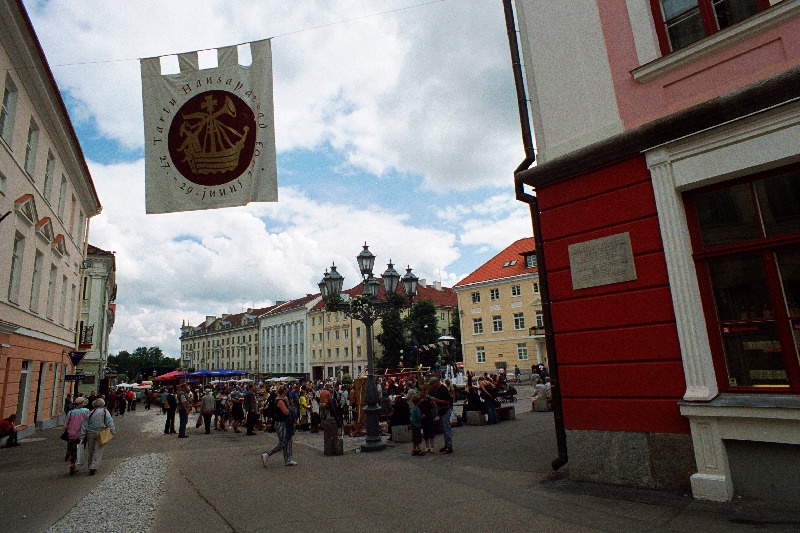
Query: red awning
{"points": [[174, 375]]}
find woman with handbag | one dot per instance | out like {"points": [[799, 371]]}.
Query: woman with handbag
{"points": [[97, 429], [72, 431]]}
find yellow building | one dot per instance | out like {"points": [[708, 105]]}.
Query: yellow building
{"points": [[338, 344], [501, 313]]}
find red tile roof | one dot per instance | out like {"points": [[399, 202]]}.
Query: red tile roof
{"points": [[91, 249], [291, 305], [493, 268], [445, 297]]}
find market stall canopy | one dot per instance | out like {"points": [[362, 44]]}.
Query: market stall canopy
{"points": [[175, 374]]}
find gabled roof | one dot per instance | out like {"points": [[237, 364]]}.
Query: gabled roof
{"points": [[45, 228], [508, 263], [94, 250], [293, 305], [26, 206], [58, 245]]}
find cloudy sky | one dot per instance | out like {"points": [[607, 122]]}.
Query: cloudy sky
{"points": [[396, 124]]}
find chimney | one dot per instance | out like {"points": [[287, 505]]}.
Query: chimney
{"points": [[423, 283], [210, 319], [437, 285]]}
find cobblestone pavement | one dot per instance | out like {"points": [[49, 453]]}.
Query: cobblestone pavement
{"points": [[499, 479]]}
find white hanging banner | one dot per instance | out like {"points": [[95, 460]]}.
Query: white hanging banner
{"points": [[210, 133]]}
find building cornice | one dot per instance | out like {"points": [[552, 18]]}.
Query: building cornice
{"points": [[496, 281]]}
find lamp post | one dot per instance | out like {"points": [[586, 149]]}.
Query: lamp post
{"points": [[367, 308]]}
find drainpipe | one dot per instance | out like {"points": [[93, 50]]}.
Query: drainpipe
{"points": [[533, 203]]}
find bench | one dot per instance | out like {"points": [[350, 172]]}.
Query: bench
{"points": [[507, 412], [475, 418], [401, 434]]}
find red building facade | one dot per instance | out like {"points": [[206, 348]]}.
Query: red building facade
{"points": [[667, 198]]}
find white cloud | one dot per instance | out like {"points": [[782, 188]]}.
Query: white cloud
{"points": [[180, 266], [421, 99], [426, 90]]}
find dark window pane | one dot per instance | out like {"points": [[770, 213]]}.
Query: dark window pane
{"points": [[749, 336], [740, 288], [779, 201], [789, 271], [727, 216], [729, 12], [672, 8], [685, 29], [753, 355]]}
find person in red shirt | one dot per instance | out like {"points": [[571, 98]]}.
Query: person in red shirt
{"points": [[324, 402], [8, 428]]}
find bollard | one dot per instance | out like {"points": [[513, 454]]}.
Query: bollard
{"points": [[334, 445]]}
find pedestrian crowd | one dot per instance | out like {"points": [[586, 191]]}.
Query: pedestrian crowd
{"points": [[421, 405]]}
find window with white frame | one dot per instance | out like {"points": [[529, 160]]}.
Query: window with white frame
{"points": [[476, 297], [30, 147], [36, 281], [49, 169], [16, 268], [497, 323], [516, 290], [519, 321], [539, 319], [522, 351], [8, 110], [346, 333], [535, 287], [480, 354], [62, 197], [530, 261], [477, 326], [51, 291], [63, 300], [494, 294]]}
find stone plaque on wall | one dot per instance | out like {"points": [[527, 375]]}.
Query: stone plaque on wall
{"points": [[602, 261]]}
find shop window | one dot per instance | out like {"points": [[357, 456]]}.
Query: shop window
{"points": [[746, 239]]}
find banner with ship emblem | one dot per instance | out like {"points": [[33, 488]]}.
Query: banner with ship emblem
{"points": [[209, 133]]}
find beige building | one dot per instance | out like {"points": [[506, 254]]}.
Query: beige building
{"points": [[501, 312], [96, 316], [229, 342], [46, 199], [338, 343]]}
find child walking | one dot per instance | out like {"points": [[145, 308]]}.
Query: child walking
{"points": [[416, 426]]}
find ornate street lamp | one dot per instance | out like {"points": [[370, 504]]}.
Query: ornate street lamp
{"points": [[367, 308]]}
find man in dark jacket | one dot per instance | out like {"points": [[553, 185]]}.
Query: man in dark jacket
{"points": [[441, 397], [251, 406]]}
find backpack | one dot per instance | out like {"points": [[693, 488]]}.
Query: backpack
{"points": [[291, 418]]}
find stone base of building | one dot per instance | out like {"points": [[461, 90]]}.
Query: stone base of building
{"points": [[648, 460]]}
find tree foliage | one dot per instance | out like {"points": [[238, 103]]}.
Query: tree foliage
{"points": [[129, 365], [422, 327], [392, 337]]}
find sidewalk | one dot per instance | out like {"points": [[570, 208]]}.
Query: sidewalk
{"points": [[499, 479]]}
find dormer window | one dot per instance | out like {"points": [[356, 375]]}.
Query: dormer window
{"points": [[530, 261]]}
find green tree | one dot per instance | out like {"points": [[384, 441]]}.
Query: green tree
{"points": [[392, 337], [421, 324], [129, 365], [455, 331]]}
